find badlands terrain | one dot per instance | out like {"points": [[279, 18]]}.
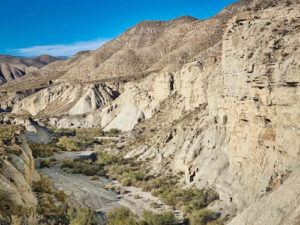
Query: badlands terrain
{"points": [[195, 121]]}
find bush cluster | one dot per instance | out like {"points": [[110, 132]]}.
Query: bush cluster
{"points": [[62, 213], [191, 201], [67, 140], [203, 217], [85, 167], [70, 143], [124, 216], [44, 150], [9, 143], [8, 208], [80, 139], [48, 163]]}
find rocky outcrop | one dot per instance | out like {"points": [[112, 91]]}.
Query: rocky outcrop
{"points": [[10, 99], [93, 99], [129, 116], [66, 99], [279, 207], [17, 174], [33, 131]]}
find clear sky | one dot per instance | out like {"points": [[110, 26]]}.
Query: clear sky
{"points": [[64, 27]]}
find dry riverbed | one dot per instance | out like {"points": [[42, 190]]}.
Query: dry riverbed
{"points": [[93, 194]]}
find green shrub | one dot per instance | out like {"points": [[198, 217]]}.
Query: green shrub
{"points": [[75, 143], [202, 217], [69, 143], [32, 219], [106, 159], [154, 205], [216, 222], [166, 218], [45, 164], [80, 216], [44, 185], [127, 182], [9, 143], [68, 163], [46, 204], [124, 216], [43, 150], [90, 132], [9, 208], [83, 167], [113, 132], [7, 133], [121, 215], [63, 131], [186, 199], [61, 196]]}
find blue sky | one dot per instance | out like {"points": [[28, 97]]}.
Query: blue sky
{"points": [[64, 27]]}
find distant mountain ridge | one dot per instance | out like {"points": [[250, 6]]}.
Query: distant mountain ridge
{"points": [[14, 67], [37, 62]]}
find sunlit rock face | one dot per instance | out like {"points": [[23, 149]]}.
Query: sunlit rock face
{"points": [[17, 174]]}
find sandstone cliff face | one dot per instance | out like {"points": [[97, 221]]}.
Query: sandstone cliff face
{"points": [[239, 119]]}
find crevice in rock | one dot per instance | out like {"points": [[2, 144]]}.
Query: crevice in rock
{"points": [[172, 82]]}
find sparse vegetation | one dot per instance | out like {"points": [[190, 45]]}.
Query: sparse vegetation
{"points": [[82, 138], [48, 163], [9, 140], [62, 213], [83, 167], [71, 143], [202, 217], [61, 196], [150, 218], [124, 216], [44, 185], [121, 215], [112, 132], [190, 201], [95, 177], [8, 208], [44, 150], [47, 211]]}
